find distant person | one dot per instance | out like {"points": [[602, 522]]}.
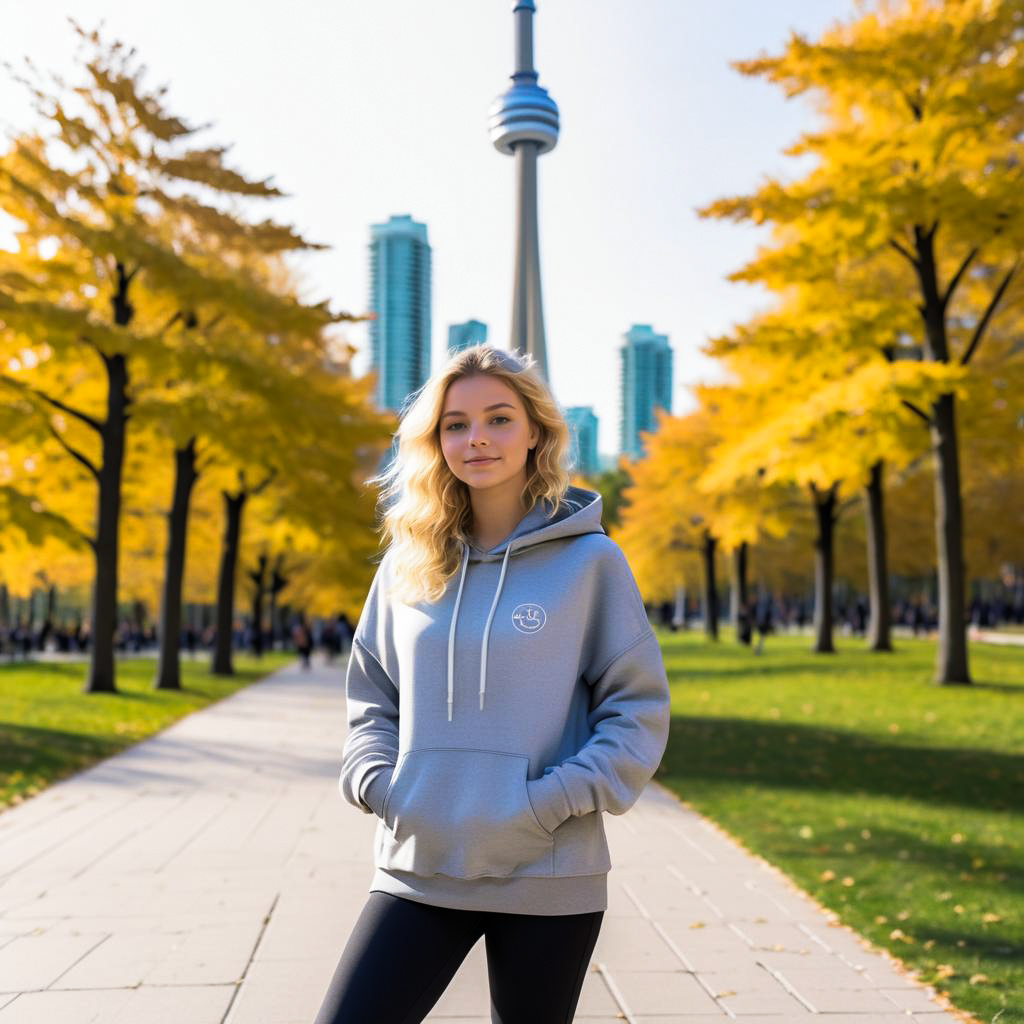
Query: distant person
{"points": [[744, 631], [860, 617], [918, 619], [801, 614], [344, 633], [764, 623], [302, 637], [330, 641]]}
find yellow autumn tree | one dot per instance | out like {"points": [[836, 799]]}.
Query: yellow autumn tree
{"points": [[126, 243], [919, 154], [676, 534]]}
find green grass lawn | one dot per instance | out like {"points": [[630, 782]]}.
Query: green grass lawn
{"points": [[894, 802], [50, 729]]}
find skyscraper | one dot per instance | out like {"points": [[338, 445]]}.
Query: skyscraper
{"points": [[583, 427], [400, 284], [646, 382], [524, 124], [461, 336]]}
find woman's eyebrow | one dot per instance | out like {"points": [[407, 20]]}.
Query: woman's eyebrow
{"points": [[497, 405]]}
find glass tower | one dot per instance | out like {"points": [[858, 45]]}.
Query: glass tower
{"points": [[461, 336], [646, 382], [400, 282], [583, 428]]}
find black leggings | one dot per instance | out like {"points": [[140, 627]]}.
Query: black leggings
{"points": [[401, 956]]}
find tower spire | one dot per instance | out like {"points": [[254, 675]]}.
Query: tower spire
{"points": [[524, 124]]}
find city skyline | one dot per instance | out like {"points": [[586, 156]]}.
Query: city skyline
{"points": [[353, 114]]}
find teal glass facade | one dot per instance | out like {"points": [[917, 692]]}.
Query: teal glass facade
{"points": [[583, 429], [646, 383], [461, 336], [400, 296]]}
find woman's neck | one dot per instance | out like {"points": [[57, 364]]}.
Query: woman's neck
{"points": [[495, 515]]}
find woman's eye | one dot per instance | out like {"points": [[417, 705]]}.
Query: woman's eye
{"points": [[493, 418]]}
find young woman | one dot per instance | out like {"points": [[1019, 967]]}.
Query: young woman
{"points": [[504, 688]]}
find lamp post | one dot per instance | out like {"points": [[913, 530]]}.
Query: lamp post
{"points": [[524, 124]]}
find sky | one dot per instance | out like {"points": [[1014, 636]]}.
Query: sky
{"points": [[359, 110]]}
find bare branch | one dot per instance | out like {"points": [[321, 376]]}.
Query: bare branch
{"points": [[903, 251], [92, 344], [989, 311], [918, 412], [961, 270], [82, 417], [264, 483], [73, 452], [65, 524]]}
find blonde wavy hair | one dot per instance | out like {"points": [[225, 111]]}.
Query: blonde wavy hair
{"points": [[424, 508]]}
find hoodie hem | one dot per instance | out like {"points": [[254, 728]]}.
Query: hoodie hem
{"points": [[549, 897]]}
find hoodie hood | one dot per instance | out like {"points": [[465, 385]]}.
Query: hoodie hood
{"points": [[578, 512]]}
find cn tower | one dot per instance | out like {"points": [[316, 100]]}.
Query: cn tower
{"points": [[524, 124]]}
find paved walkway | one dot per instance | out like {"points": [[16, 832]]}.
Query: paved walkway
{"points": [[211, 875]]}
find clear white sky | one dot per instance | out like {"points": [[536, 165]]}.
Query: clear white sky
{"points": [[360, 109]]}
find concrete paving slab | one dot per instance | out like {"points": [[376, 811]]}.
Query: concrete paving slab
{"points": [[38, 961], [84, 1007], [212, 875]]}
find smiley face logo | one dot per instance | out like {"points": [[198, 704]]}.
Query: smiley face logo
{"points": [[528, 618]]}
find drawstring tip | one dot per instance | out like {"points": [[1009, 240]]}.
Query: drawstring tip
{"points": [[449, 711], [481, 700]]}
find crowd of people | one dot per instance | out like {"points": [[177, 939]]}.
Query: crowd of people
{"points": [[332, 635], [767, 614]]}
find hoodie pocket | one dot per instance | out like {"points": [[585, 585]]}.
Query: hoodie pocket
{"points": [[464, 813]]}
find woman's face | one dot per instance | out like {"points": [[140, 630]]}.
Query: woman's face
{"points": [[484, 418]]}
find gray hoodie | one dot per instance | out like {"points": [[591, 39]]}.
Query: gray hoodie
{"points": [[490, 729]]}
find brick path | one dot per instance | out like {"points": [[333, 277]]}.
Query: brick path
{"points": [[211, 875]]}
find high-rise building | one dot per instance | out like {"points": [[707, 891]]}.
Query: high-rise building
{"points": [[461, 336], [645, 382], [583, 428], [400, 282]]}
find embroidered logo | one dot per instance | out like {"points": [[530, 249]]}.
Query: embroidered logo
{"points": [[528, 618]]}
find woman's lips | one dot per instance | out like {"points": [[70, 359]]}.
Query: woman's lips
{"points": [[480, 462]]}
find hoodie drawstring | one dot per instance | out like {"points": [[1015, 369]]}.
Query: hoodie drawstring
{"points": [[451, 633], [487, 629]]}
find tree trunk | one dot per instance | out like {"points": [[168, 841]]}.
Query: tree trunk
{"points": [[259, 583], [169, 665], [710, 587], [880, 619], [50, 621], [951, 664], [278, 582], [824, 567], [108, 516], [738, 597], [273, 615], [233, 505]]}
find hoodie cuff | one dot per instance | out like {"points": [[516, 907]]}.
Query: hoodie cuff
{"points": [[376, 788], [550, 800]]}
